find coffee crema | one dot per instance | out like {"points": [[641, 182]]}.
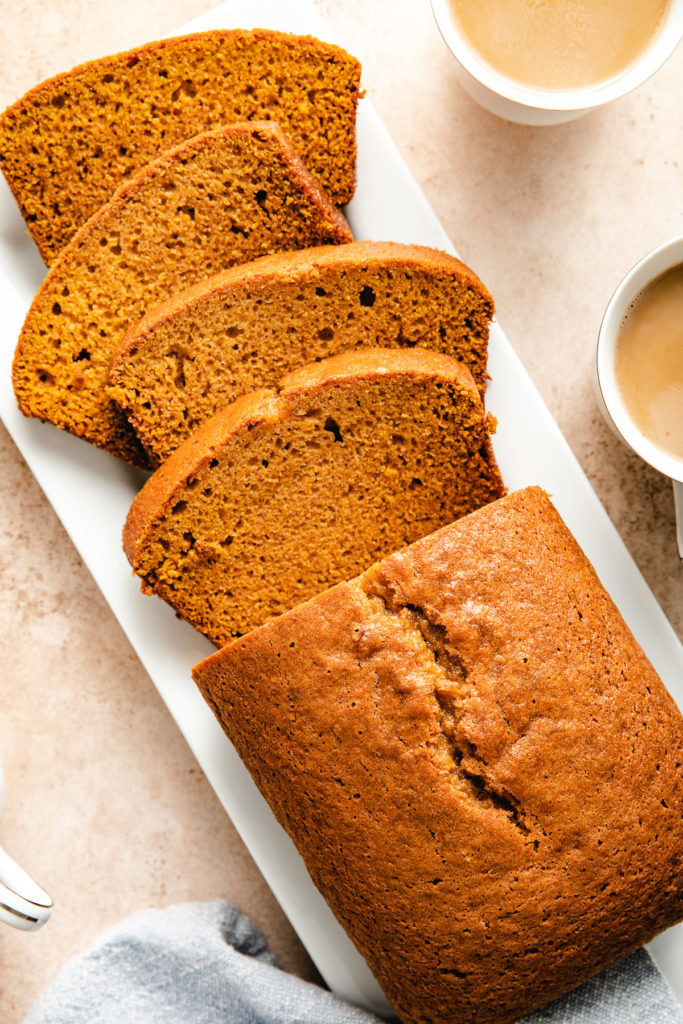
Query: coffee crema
{"points": [[649, 361], [559, 44]]}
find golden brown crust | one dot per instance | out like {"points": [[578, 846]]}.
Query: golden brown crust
{"points": [[322, 127], [247, 326], [365, 364], [477, 762], [414, 452], [86, 303]]}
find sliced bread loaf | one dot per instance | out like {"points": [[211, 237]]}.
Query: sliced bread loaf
{"points": [[284, 493], [247, 326], [224, 197], [71, 141], [476, 761]]}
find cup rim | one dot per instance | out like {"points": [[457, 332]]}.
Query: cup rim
{"points": [[643, 67], [646, 270]]}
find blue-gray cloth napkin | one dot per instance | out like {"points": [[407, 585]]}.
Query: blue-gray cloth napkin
{"points": [[206, 963]]}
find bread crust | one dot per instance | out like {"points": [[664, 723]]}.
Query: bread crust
{"points": [[477, 762], [48, 93]]}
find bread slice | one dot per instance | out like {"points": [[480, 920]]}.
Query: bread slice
{"points": [[224, 197], [286, 492], [476, 761], [71, 141], [247, 326]]}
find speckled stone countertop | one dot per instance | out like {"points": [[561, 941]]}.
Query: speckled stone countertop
{"points": [[106, 805]]}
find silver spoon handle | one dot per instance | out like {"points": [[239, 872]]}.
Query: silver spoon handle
{"points": [[678, 507], [23, 904]]}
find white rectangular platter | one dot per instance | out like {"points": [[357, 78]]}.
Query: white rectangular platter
{"points": [[92, 491]]}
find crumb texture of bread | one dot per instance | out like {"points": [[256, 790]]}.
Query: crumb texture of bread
{"points": [[286, 492], [71, 141], [246, 327], [224, 197], [477, 762]]}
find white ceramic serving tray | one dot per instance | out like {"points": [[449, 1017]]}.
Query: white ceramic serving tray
{"points": [[92, 491]]}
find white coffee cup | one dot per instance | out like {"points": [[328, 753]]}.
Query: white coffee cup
{"points": [[521, 103], [23, 904], [609, 395]]}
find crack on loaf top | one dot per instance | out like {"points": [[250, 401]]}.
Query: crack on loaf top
{"points": [[451, 687]]}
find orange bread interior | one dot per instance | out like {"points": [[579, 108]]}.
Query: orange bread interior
{"points": [[287, 492], [224, 197], [246, 327], [71, 141]]}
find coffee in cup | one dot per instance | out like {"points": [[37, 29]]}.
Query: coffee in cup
{"points": [[639, 373], [649, 361], [566, 44]]}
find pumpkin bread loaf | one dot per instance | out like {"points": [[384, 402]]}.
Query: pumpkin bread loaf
{"points": [[247, 326], [71, 141], [224, 197], [478, 764], [285, 492]]}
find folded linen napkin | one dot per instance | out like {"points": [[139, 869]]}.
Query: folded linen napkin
{"points": [[206, 963]]}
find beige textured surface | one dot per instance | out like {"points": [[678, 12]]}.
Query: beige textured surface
{"points": [[106, 805]]}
